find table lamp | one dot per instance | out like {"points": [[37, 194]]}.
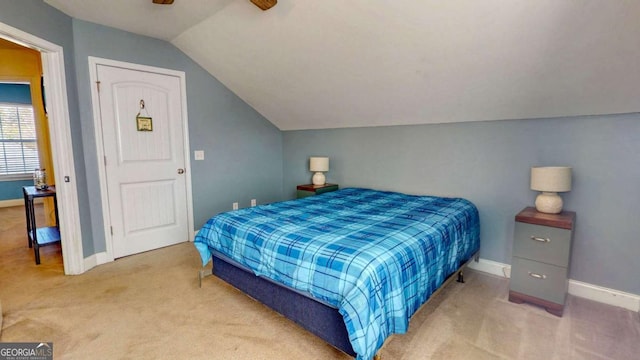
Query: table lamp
{"points": [[318, 165], [550, 180]]}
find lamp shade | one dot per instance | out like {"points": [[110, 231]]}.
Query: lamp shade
{"points": [[551, 178], [319, 164]]}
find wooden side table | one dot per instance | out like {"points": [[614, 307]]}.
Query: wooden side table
{"points": [[43, 236], [541, 259], [310, 189]]}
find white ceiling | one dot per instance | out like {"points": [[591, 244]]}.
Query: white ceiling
{"points": [[142, 16], [333, 63]]}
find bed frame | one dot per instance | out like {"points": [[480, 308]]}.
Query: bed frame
{"points": [[320, 319]]}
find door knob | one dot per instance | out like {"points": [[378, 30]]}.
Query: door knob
{"points": [[180, 171]]}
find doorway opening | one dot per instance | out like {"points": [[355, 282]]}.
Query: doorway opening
{"points": [[54, 84]]}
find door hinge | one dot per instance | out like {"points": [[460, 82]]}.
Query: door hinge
{"points": [[105, 160], [111, 228], [98, 85]]}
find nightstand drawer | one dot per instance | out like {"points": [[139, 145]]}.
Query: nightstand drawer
{"points": [[327, 188], [540, 280], [542, 243], [303, 194]]}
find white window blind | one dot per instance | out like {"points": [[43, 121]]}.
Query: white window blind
{"points": [[18, 145]]}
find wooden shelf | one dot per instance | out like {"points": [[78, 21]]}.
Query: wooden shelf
{"points": [[47, 235]]}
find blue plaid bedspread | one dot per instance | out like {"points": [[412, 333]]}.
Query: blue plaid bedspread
{"points": [[376, 256]]}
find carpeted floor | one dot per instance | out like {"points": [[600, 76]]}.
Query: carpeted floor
{"points": [[149, 306]]}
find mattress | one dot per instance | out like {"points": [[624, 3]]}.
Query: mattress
{"points": [[376, 256]]}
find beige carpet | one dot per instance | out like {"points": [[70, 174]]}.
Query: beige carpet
{"points": [[149, 306]]}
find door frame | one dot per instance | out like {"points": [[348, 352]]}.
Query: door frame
{"points": [[61, 144], [97, 125]]}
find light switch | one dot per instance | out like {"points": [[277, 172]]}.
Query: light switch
{"points": [[198, 154]]}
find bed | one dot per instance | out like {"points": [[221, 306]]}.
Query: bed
{"points": [[351, 266]]}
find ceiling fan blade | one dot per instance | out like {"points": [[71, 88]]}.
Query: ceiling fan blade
{"points": [[163, 2]]}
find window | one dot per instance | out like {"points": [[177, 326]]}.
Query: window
{"points": [[18, 144]]}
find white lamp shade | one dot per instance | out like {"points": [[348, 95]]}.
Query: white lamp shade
{"points": [[551, 178], [319, 164]]}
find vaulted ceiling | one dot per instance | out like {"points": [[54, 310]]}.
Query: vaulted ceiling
{"points": [[333, 63]]}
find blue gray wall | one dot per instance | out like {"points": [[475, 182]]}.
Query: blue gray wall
{"points": [[16, 94], [243, 151], [10, 190], [489, 164], [45, 22]]}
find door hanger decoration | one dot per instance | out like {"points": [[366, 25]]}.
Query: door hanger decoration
{"points": [[144, 122]]}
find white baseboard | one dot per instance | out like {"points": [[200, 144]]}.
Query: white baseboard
{"points": [[103, 258], [605, 295], [576, 288], [95, 260], [11, 202], [90, 262], [492, 267], [18, 202]]}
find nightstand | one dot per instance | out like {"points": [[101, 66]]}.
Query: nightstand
{"points": [[310, 189], [541, 259]]}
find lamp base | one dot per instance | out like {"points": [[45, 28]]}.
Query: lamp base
{"points": [[549, 203], [318, 178]]}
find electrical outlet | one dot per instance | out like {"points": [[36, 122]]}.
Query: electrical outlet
{"points": [[235, 206], [253, 202], [198, 155]]}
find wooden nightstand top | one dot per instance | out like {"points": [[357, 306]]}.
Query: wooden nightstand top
{"points": [[311, 187], [530, 215]]}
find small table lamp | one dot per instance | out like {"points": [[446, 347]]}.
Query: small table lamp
{"points": [[318, 165], [550, 180]]}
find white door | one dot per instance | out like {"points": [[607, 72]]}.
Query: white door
{"points": [[144, 158]]}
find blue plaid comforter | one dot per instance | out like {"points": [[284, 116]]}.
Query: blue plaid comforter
{"points": [[376, 256]]}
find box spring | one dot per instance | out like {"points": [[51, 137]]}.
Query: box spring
{"points": [[320, 319]]}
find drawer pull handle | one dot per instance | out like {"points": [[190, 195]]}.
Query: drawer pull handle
{"points": [[537, 276], [545, 240]]}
